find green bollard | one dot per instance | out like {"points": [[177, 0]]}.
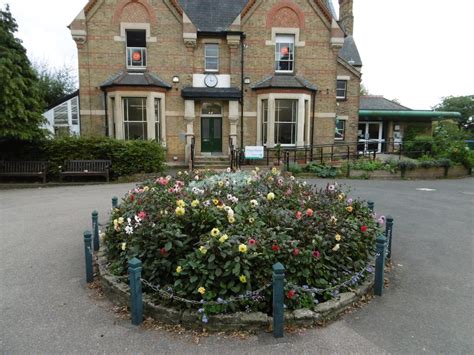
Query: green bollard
{"points": [[136, 297], [88, 255], [278, 300], [95, 229], [371, 205], [388, 235], [379, 265], [114, 202]]}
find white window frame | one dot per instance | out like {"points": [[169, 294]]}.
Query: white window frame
{"points": [[116, 117], [130, 50], [126, 119], [206, 46], [338, 97], [344, 120], [301, 135], [293, 122], [286, 39]]}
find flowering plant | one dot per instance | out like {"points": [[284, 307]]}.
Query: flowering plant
{"points": [[211, 237]]}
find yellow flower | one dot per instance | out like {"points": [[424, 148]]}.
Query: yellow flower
{"points": [[179, 269], [336, 247], [123, 246], [341, 197], [215, 201], [223, 238], [215, 232], [337, 237], [146, 188], [195, 203], [270, 196], [257, 169], [251, 220], [270, 179], [231, 219], [180, 203], [333, 220], [275, 171], [180, 211], [243, 279], [203, 250], [221, 206], [120, 220], [242, 248], [220, 183], [349, 208], [115, 222], [201, 290]]}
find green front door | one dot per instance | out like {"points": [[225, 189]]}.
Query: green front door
{"points": [[211, 134]]}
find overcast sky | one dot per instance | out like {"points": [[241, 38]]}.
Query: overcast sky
{"points": [[416, 51]]}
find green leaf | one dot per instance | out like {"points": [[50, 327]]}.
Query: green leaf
{"points": [[193, 279], [168, 246]]}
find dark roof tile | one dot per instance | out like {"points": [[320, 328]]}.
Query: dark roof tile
{"points": [[380, 103], [350, 53], [124, 78], [284, 81]]}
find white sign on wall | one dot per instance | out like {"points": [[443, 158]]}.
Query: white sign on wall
{"points": [[254, 152]]}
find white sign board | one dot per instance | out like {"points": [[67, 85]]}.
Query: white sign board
{"points": [[254, 152]]}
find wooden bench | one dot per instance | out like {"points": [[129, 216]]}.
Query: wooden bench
{"points": [[24, 168], [85, 168]]}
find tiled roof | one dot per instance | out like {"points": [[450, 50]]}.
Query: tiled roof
{"points": [[124, 78], [284, 82], [371, 102], [212, 15], [350, 53]]}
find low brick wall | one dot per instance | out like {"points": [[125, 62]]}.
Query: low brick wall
{"points": [[456, 171], [117, 292]]}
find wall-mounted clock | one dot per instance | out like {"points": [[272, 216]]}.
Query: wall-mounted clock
{"points": [[210, 80]]}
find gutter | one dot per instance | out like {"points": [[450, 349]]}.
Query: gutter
{"points": [[411, 113]]}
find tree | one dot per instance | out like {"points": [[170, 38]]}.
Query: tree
{"points": [[363, 90], [20, 97], [54, 83], [462, 104]]}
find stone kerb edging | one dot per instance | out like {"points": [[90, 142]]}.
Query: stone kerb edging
{"points": [[118, 292]]}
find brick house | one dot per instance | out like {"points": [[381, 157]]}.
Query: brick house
{"points": [[240, 72]]}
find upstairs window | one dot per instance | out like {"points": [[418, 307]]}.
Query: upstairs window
{"points": [[284, 53], [211, 57], [341, 90], [136, 49]]}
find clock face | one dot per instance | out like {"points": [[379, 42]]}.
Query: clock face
{"points": [[210, 80]]}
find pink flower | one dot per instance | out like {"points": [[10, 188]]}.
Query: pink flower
{"points": [[349, 201], [316, 254], [309, 212], [291, 294], [298, 215], [296, 251], [162, 181], [288, 192], [275, 247], [363, 229], [252, 242], [142, 215]]}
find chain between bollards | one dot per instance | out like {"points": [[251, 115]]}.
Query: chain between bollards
{"points": [[88, 256], [278, 300]]}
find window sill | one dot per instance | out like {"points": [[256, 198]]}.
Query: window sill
{"points": [[341, 98], [213, 71], [284, 72]]}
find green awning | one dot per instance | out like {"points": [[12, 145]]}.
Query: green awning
{"points": [[435, 115]]}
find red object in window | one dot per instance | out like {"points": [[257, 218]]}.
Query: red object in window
{"points": [[136, 56]]}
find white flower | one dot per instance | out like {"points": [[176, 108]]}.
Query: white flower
{"points": [[254, 203], [196, 177], [229, 170], [129, 220], [129, 229], [137, 219], [229, 197], [336, 247]]}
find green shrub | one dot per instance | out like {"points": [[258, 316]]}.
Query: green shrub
{"points": [[321, 170], [210, 237], [418, 146], [128, 157], [372, 165], [449, 142], [407, 164], [295, 169]]}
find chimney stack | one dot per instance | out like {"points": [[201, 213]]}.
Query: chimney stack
{"points": [[346, 16]]}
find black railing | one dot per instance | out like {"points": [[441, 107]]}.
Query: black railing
{"points": [[192, 148]]}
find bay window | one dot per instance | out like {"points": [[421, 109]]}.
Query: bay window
{"points": [[134, 118], [286, 114]]}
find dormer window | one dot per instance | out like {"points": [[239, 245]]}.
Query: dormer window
{"points": [[136, 49], [284, 53], [211, 57]]}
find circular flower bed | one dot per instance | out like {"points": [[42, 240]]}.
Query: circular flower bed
{"points": [[211, 239]]}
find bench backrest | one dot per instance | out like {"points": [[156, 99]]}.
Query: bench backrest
{"points": [[90, 165], [17, 166]]}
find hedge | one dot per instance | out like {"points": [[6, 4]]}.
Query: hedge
{"points": [[128, 157]]}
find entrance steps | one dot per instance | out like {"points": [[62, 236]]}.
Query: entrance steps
{"points": [[213, 162]]}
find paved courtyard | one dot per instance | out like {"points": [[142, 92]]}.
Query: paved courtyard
{"points": [[47, 308]]}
